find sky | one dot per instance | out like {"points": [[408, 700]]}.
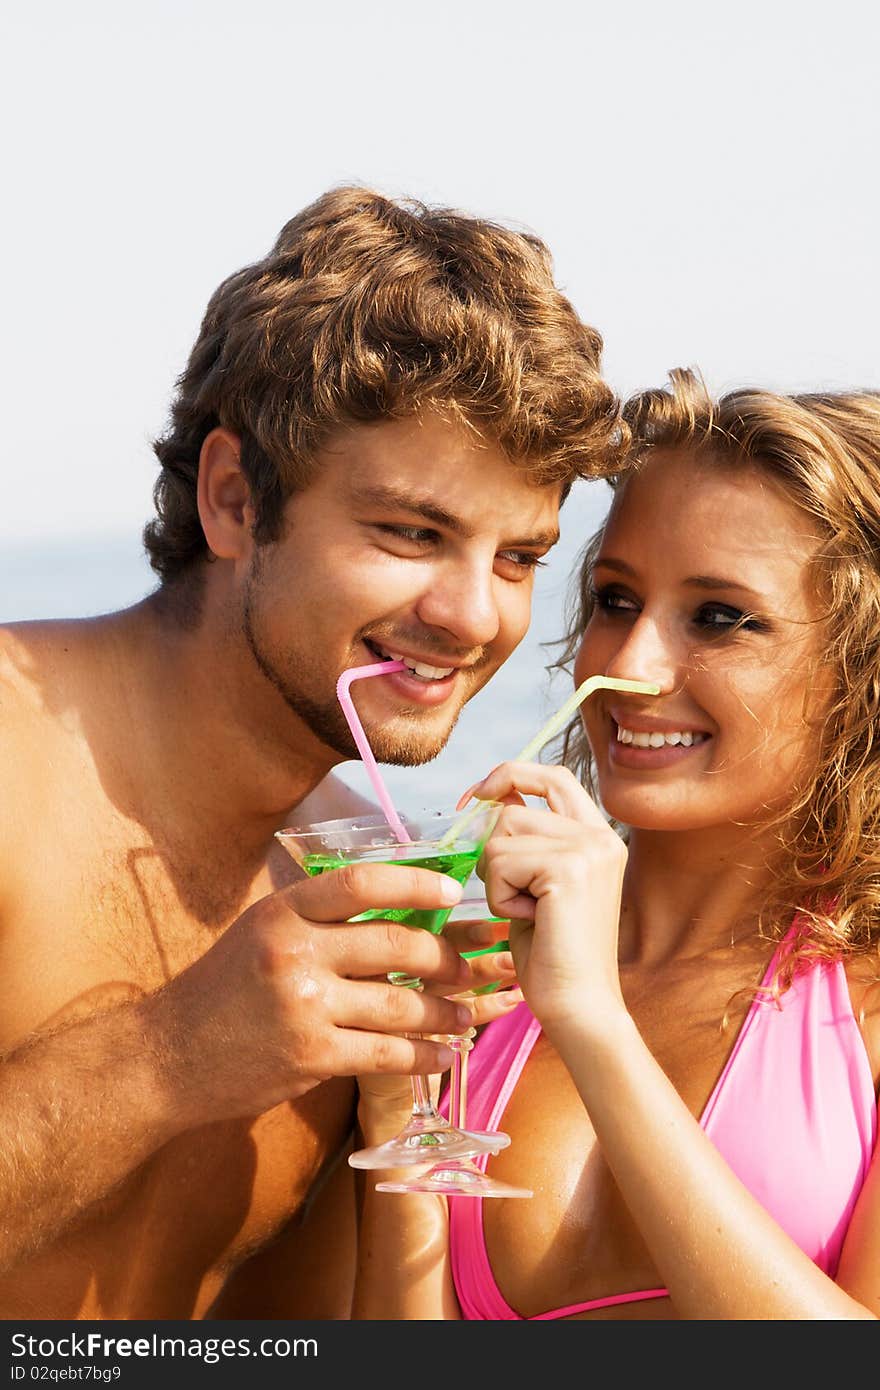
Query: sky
{"points": [[704, 174]]}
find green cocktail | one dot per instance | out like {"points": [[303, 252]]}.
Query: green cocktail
{"points": [[458, 863], [335, 844], [321, 848]]}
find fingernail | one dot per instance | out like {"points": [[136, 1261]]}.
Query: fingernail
{"points": [[510, 998], [450, 891], [504, 961], [463, 1014], [445, 1057], [480, 933]]}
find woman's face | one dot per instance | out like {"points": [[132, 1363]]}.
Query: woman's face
{"points": [[702, 588]]}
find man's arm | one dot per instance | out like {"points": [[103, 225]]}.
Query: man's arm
{"points": [[80, 1109], [287, 997]]}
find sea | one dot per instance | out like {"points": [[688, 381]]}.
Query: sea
{"points": [[80, 576]]}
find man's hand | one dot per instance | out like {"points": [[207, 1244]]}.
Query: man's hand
{"points": [[294, 993]]}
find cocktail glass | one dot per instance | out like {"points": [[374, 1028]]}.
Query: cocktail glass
{"points": [[321, 848], [457, 1177]]}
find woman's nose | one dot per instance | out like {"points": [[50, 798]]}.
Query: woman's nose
{"points": [[646, 654]]}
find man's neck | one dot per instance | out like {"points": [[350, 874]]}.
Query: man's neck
{"points": [[213, 738]]}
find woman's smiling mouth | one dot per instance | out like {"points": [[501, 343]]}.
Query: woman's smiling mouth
{"points": [[652, 746], [640, 738]]}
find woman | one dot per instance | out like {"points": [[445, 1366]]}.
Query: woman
{"points": [[690, 1087]]}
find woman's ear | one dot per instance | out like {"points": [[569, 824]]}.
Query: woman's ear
{"points": [[224, 498]]}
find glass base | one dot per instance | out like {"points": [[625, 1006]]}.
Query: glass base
{"points": [[429, 1139], [459, 1179]]}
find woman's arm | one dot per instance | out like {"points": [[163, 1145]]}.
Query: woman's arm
{"points": [[403, 1268], [720, 1254], [403, 1263]]}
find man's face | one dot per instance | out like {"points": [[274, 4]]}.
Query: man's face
{"points": [[417, 540]]}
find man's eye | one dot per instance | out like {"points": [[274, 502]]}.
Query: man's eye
{"points": [[419, 535], [524, 558]]}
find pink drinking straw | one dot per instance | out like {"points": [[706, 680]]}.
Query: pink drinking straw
{"points": [[343, 694]]}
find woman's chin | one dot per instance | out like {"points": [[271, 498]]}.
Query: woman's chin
{"points": [[644, 812]]}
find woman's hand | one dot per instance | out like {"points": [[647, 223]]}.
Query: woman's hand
{"points": [[557, 873], [493, 989]]}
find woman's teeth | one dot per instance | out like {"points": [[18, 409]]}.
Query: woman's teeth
{"points": [[657, 740], [420, 668]]}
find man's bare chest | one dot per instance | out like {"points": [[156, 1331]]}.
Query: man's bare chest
{"points": [[164, 1243], [101, 915], [100, 911]]}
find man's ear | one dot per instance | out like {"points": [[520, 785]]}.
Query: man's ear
{"points": [[224, 498]]}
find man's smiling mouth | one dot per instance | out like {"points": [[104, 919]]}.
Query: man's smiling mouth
{"points": [[419, 669]]}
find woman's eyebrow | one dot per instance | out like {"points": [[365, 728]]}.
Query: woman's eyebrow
{"points": [[696, 581], [712, 581]]}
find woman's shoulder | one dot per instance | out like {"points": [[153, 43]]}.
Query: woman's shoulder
{"points": [[863, 977]]}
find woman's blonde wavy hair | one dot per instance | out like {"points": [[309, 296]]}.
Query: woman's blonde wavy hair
{"points": [[823, 451]]}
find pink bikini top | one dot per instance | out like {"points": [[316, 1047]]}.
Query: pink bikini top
{"points": [[793, 1113]]}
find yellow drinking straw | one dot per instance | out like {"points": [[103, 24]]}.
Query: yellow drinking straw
{"points": [[553, 725]]}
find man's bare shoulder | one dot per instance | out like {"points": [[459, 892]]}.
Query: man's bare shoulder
{"points": [[36, 658], [43, 668]]}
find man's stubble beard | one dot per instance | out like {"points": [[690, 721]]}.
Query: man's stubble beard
{"points": [[325, 719]]}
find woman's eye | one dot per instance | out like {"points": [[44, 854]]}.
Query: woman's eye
{"points": [[721, 617], [612, 600]]}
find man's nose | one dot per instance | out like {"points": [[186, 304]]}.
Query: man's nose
{"points": [[647, 654], [462, 600]]}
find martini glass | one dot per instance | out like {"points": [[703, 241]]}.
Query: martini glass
{"points": [[457, 1177], [434, 843]]}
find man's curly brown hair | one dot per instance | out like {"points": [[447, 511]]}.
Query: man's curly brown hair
{"points": [[369, 309]]}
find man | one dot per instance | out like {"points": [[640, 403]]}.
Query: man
{"points": [[365, 459]]}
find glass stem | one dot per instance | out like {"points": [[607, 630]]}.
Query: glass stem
{"points": [[461, 1046], [423, 1106], [456, 1078]]}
